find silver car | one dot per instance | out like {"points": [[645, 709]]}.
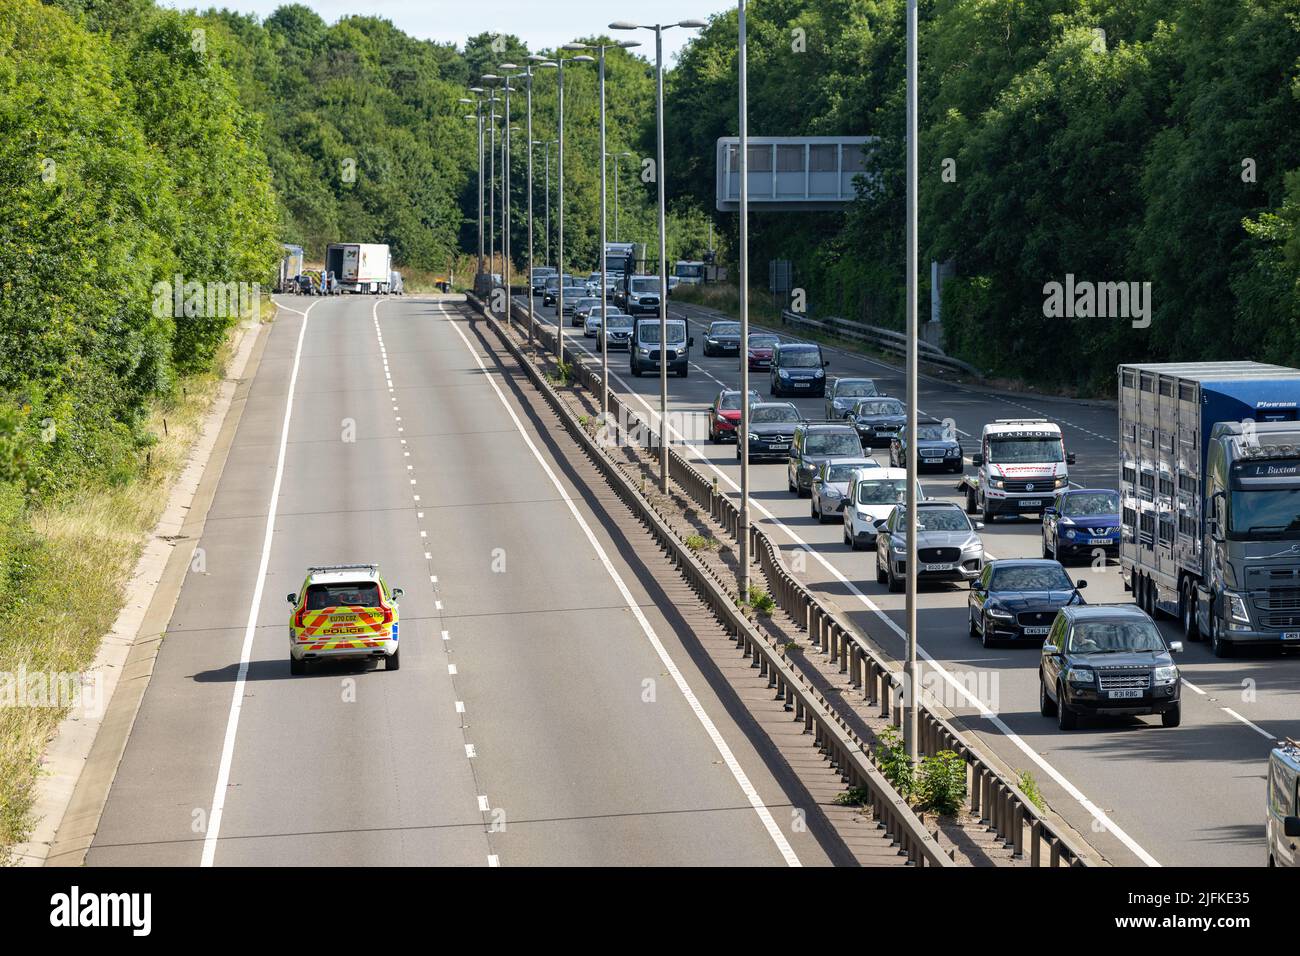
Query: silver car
{"points": [[831, 484], [947, 547], [591, 320], [583, 307], [618, 331]]}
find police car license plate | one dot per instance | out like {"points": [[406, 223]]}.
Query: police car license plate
{"points": [[1127, 693], [1099, 540], [938, 567], [1291, 635], [1036, 631], [1031, 502]]}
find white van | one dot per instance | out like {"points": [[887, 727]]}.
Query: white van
{"points": [[1282, 828]]}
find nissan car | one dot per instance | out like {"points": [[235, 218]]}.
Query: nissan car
{"points": [[1081, 521]]}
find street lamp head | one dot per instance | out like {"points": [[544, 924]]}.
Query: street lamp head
{"points": [[508, 66], [583, 58], [476, 89], [575, 46], [693, 24], [489, 78], [627, 44], [464, 99], [623, 25]]}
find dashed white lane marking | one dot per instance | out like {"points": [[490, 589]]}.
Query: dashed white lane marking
{"points": [[958, 687], [1187, 683], [446, 635], [737, 772], [1255, 727], [470, 751], [250, 629], [451, 669], [460, 707], [493, 860], [483, 803]]}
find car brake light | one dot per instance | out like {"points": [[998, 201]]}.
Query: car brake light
{"points": [[297, 618]]}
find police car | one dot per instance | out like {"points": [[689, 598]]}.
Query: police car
{"points": [[343, 611]]}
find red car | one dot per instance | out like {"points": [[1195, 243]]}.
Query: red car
{"points": [[724, 414], [760, 351]]}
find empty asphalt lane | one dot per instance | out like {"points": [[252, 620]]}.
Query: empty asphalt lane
{"points": [[520, 729]]}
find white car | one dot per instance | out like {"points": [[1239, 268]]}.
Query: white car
{"points": [[591, 322], [871, 496], [831, 484]]}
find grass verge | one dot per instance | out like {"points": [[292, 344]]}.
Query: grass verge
{"points": [[65, 566]]}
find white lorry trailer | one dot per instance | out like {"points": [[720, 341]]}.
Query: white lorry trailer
{"points": [[360, 266], [1210, 498]]}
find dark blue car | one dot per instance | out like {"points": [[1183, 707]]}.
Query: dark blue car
{"points": [[1081, 521]]}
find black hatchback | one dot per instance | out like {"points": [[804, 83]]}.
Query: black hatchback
{"points": [[1108, 660], [1016, 599]]}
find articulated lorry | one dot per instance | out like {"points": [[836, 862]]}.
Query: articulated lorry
{"points": [[360, 266], [1210, 498]]}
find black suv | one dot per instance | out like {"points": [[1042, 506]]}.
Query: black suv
{"points": [[1102, 660], [798, 369], [1017, 599], [814, 443]]}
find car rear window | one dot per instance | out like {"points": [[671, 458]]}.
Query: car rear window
{"points": [[833, 443], [360, 594]]}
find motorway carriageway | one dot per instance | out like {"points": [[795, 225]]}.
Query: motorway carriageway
{"points": [[1139, 793], [378, 430]]}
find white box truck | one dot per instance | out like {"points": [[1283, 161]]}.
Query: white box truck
{"points": [[360, 266]]}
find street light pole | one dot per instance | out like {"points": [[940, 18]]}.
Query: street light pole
{"points": [[910, 666], [663, 262], [616, 157], [505, 192], [658, 29], [528, 70], [492, 182], [558, 63], [742, 436], [604, 265], [478, 117]]}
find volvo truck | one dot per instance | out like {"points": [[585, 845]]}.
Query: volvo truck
{"points": [[360, 266], [1210, 498]]}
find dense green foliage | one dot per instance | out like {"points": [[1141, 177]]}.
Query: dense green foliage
{"points": [[101, 143], [1160, 154]]}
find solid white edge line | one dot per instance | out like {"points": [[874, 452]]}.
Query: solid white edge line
{"points": [[1255, 727], [1097, 813], [213, 832], [742, 780]]}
